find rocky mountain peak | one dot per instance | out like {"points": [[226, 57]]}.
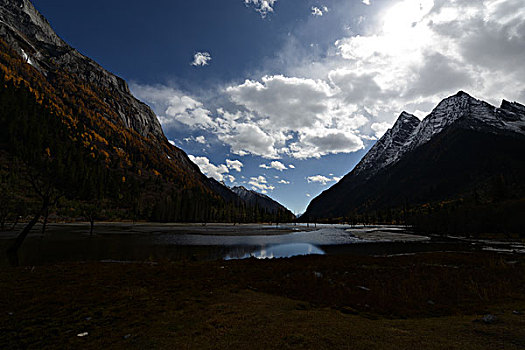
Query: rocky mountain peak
{"points": [[22, 16], [385, 150], [408, 132], [405, 121], [513, 107], [30, 34]]}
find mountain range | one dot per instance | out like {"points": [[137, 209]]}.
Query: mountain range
{"points": [[460, 168], [69, 123]]}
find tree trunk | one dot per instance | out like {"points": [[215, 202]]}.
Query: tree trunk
{"points": [[92, 225], [44, 224], [12, 251]]}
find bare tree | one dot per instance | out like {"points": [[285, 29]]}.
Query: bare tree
{"points": [[44, 188]]}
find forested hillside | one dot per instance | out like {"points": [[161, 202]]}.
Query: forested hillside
{"points": [[60, 132]]}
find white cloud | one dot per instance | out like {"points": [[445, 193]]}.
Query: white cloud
{"points": [[274, 165], [380, 128], [322, 179], [291, 166], [366, 2], [319, 178], [201, 59], [173, 106], [230, 178], [426, 50], [260, 183], [199, 139], [284, 182], [234, 165], [261, 6], [303, 117], [316, 11], [209, 169]]}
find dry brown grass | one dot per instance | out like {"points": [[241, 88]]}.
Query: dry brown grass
{"points": [[425, 301]]}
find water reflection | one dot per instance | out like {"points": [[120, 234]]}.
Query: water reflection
{"points": [[123, 242], [279, 251]]}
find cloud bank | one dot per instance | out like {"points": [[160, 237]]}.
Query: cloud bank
{"points": [[406, 56]]}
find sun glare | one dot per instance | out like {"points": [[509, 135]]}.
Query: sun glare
{"points": [[402, 16]]}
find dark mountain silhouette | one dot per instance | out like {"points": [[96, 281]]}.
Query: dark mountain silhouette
{"points": [[263, 202], [460, 169]]}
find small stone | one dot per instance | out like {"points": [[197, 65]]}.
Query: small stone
{"points": [[127, 336], [318, 274], [363, 288], [347, 310], [489, 319], [10, 313], [88, 318], [516, 312], [81, 335], [431, 302]]}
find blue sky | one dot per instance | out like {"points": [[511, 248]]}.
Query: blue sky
{"points": [[286, 96]]}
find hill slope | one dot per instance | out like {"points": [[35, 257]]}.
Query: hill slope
{"points": [[465, 155], [264, 203], [75, 127]]}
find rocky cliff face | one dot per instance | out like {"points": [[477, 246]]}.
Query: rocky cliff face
{"points": [[31, 35]]}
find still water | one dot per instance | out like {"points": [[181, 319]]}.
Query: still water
{"points": [[152, 242]]}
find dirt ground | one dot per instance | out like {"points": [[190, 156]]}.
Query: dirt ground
{"points": [[424, 301]]}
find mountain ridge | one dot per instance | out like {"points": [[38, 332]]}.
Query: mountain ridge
{"points": [[260, 200], [415, 177], [28, 32]]}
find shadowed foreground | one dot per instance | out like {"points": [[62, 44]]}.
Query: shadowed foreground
{"points": [[426, 301]]}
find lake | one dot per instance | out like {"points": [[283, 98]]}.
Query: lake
{"points": [[126, 242]]}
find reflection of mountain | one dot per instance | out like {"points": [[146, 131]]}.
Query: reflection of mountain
{"points": [[276, 251], [463, 163], [79, 128]]}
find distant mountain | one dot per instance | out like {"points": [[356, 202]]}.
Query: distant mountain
{"points": [[75, 126], [466, 154], [259, 200]]}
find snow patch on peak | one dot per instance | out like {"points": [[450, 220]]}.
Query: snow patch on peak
{"points": [[27, 58], [409, 132], [386, 150]]}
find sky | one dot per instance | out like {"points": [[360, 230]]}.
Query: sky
{"points": [[286, 96]]}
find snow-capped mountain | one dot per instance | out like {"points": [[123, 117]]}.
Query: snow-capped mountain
{"points": [[408, 132], [387, 149], [463, 146], [478, 115]]}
